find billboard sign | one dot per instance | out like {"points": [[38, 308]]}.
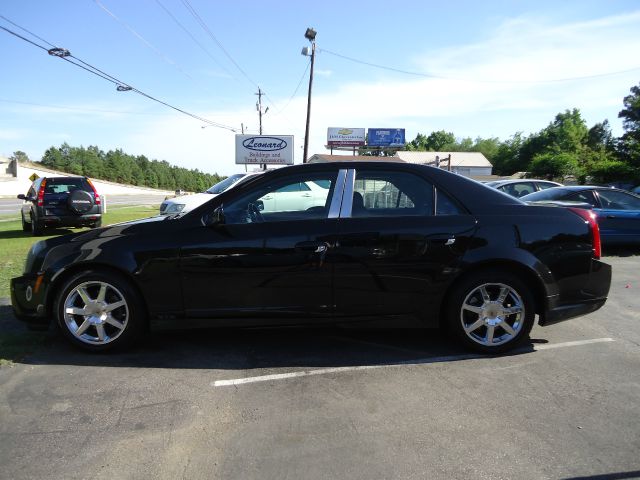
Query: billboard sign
{"points": [[345, 137], [264, 149], [386, 137]]}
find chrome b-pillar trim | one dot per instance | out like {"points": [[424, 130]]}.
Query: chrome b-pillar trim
{"points": [[347, 198], [336, 200]]}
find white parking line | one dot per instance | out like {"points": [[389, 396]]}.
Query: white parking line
{"points": [[450, 358]]}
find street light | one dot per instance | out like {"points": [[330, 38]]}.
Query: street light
{"points": [[310, 35]]}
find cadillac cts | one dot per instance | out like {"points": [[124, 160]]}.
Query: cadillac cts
{"points": [[393, 242]]}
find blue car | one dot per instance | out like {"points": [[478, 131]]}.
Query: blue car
{"points": [[618, 211]]}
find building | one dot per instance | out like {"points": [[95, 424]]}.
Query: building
{"points": [[469, 164], [322, 158]]}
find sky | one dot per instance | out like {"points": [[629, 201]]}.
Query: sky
{"points": [[477, 69]]}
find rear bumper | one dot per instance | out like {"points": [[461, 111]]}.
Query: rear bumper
{"points": [[592, 295], [28, 299], [71, 221]]}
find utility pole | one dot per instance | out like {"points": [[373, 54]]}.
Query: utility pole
{"points": [[310, 35], [259, 107], [260, 113]]}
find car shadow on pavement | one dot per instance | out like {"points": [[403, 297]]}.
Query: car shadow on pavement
{"points": [[254, 348], [9, 234]]}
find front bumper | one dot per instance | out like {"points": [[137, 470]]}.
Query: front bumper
{"points": [[28, 299], [591, 296]]}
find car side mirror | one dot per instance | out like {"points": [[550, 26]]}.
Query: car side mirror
{"points": [[22, 196], [214, 218]]}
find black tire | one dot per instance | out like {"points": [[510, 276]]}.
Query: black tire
{"points": [[36, 227], [486, 324], [26, 227], [128, 311]]}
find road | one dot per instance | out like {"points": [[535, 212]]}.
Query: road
{"points": [[10, 206], [325, 404]]}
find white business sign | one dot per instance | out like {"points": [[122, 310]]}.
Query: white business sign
{"points": [[267, 149], [345, 137]]}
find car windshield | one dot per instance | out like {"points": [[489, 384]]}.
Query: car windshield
{"points": [[225, 184]]}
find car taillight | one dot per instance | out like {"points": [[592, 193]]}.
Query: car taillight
{"points": [[591, 218], [41, 193], [95, 192]]}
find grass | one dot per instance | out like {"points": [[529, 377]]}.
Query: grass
{"points": [[15, 244]]}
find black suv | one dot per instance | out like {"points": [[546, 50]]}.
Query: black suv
{"points": [[60, 202]]}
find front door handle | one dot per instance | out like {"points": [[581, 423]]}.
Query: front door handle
{"points": [[312, 247]]}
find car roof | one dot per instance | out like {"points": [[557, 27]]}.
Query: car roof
{"points": [[497, 183]]}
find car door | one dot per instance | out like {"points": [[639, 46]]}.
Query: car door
{"points": [[261, 264], [619, 216], [399, 242]]}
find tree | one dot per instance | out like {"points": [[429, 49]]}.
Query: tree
{"points": [[19, 156], [552, 165], [630, 140]]}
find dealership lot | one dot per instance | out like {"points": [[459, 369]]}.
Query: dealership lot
{"points": [[302, 403]]}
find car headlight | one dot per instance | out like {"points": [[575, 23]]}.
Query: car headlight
{"points": [[174, 208], [34, 251]]}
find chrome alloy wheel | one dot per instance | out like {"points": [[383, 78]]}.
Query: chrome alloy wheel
{"points": [[96, 312], [492, 314]]}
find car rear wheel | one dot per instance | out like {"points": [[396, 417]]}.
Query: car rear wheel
{"points": [[99, 311], [491, 312], [36, 227]]}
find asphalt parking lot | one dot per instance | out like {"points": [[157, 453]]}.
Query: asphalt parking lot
{"points": [[307, 404]]}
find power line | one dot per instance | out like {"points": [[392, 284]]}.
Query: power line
{"points": [[304, 74], [213, 37], [205, 27], [143, 40], [120, 85], [186, 30], [443, 77], [27, 31]]}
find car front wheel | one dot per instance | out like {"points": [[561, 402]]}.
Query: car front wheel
{"points": [[99, 311], [491, 312], [26, 227]]}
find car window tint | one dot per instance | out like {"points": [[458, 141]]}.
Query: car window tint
{"points": [[545, 185], [391, 193], [64, 185], [584, 196], [618, 200], [445, 205], [296, 197], [518, 189]]}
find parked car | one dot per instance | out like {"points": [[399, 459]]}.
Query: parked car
{"points": [[184, 203], [617, 211], [407, 244], [60, 202], [519, 188]]}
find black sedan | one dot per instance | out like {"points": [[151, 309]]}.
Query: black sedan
{"points": [[409, 245], [617, 211]]}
